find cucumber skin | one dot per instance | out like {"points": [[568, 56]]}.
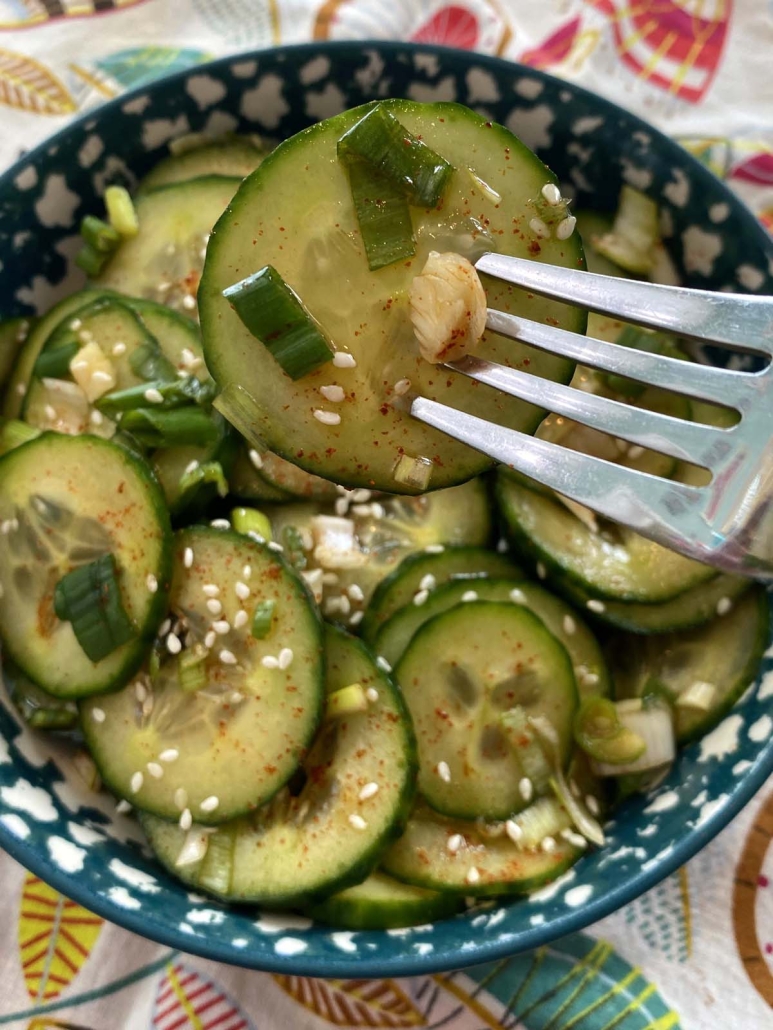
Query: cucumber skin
{"points": [[362, 914]]}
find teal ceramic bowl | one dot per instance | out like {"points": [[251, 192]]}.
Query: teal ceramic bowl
{"points": [[73, 838]]}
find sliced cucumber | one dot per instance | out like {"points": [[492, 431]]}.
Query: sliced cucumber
{"points": [[382, 903], [13, 336], [330, 834], [461, 672], [590, 669], [724, 655], [301, 184], [248, 484], [294, 481], [400, 587], [65, 501], [242, 735], [39, 710], [163, 262], [385, 531], [234, 157], [614, 563], [176, 466], [178, 336], [456, 856]]}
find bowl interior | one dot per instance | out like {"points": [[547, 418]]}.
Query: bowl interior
{"points": [[72, 837]]}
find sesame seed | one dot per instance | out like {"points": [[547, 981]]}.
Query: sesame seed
{"points": [[575, 839], [570, 626], [140, 691], [269, 662], [565, 228], [151, 583], [188, 557], [173, 644], [189, 302], [372, 695], [548, 844], [236, 697], [75, 325], [635, 451], [335, 394], [361, 495], [103, 377], [241, 619], [247, 571], [357, 822], [551, 193], [256, 459], [472, 875], [434, 549], [383, 664], [135, 783], [502, 546], [454, 843], [96, 418], [181, 798], [343, 360], [147, 705], [596, 606], [356, 618], [170, 755], [272, 545], [513, 831], [123, 807], [327, 418], [152, 395], [470, 595], [518, 596], [119, 349], [526, 788], [443, 772], [420, 597], [586, 677], [242, 591], [368, 791], [221, 627], [98, 714], [724, 604], [355, 592], [188, 358], [155, 770], [210, 804], [220, 524], [209, 639], [428, 582], [227, 657], [210, 590], [50, 412], [191, 467], [539, 228], [592, 804], [285, 658], [402, 386], [341, 505], [330, 578], [186, 819], [541, 570]]}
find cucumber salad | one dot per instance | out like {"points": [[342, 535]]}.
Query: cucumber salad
{"points": [[333, 659]]}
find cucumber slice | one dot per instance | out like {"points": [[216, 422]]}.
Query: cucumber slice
{"points": [[401, 586], [293, 481], [615, 563], [482, 865], [64, 501], [590, 669], [385, 531], [39, 710], [13, 336], [242, 735], [725, 654], [330, 834], [302, 184], [460, 673], [163, 262], [235, 157], [173, 464], [177, 335], [382, 903], [247, 483]]}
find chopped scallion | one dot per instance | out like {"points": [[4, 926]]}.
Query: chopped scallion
{"points": [[98, 234], [54, 362], [121, 211], [599, 731], [527, 747], [90, 260], [295, 552], [89, 598], [381, 140], [154, 428], [148, 362], [275, 315], [349, 700], [217, 868], [250, 520], [192, 669], [242, 411], [174, 394], [382, 213], [262, 618], [14, 432], [413, 472], [207, 473]]}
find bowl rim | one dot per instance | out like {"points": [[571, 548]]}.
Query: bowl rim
{"points": [[361, 963]]}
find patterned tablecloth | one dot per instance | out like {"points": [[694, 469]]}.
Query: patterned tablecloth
{"points": [[695, 953]]}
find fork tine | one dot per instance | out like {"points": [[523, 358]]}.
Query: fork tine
{"points": [[704, 382], [646, 503], [689, 441], [735, 320]]}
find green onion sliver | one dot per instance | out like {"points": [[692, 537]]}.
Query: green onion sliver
{"points": [[163, 394], [250, 521], [275, 315], [89, 598], [262, 618], [217, 868], [99, 235], [242, 411], [192, 669], [154, 428], [527, 746], [206, 473], [54, 362], [295, 552], [14, 432], [148, 362], [349, 700], [90, 260], [121, 211], [381, 140], [382, 213]]}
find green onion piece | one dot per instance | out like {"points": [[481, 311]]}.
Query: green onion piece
{"points": [[527, 745], [99, 235], [121, 211], [383, 215], [207, 473], [600, 733], [175, 394], [90, 260], [242, 411], [275, 315], [217, 867], [544, 818], [262, 618], [54, 362], [250, 520], [295, 552], [14, 433], [381, 140], [413, 472], [349, 700], [37, 708], [192, 669], [578, 812], [155, 428], [148, 362], [89, 598]]}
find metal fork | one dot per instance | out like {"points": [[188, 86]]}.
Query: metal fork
{"points": [[727, 523]]}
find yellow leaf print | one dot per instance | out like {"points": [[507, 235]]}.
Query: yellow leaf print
{"points": [[354, 1003], [56, 937], [29, 86]]}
